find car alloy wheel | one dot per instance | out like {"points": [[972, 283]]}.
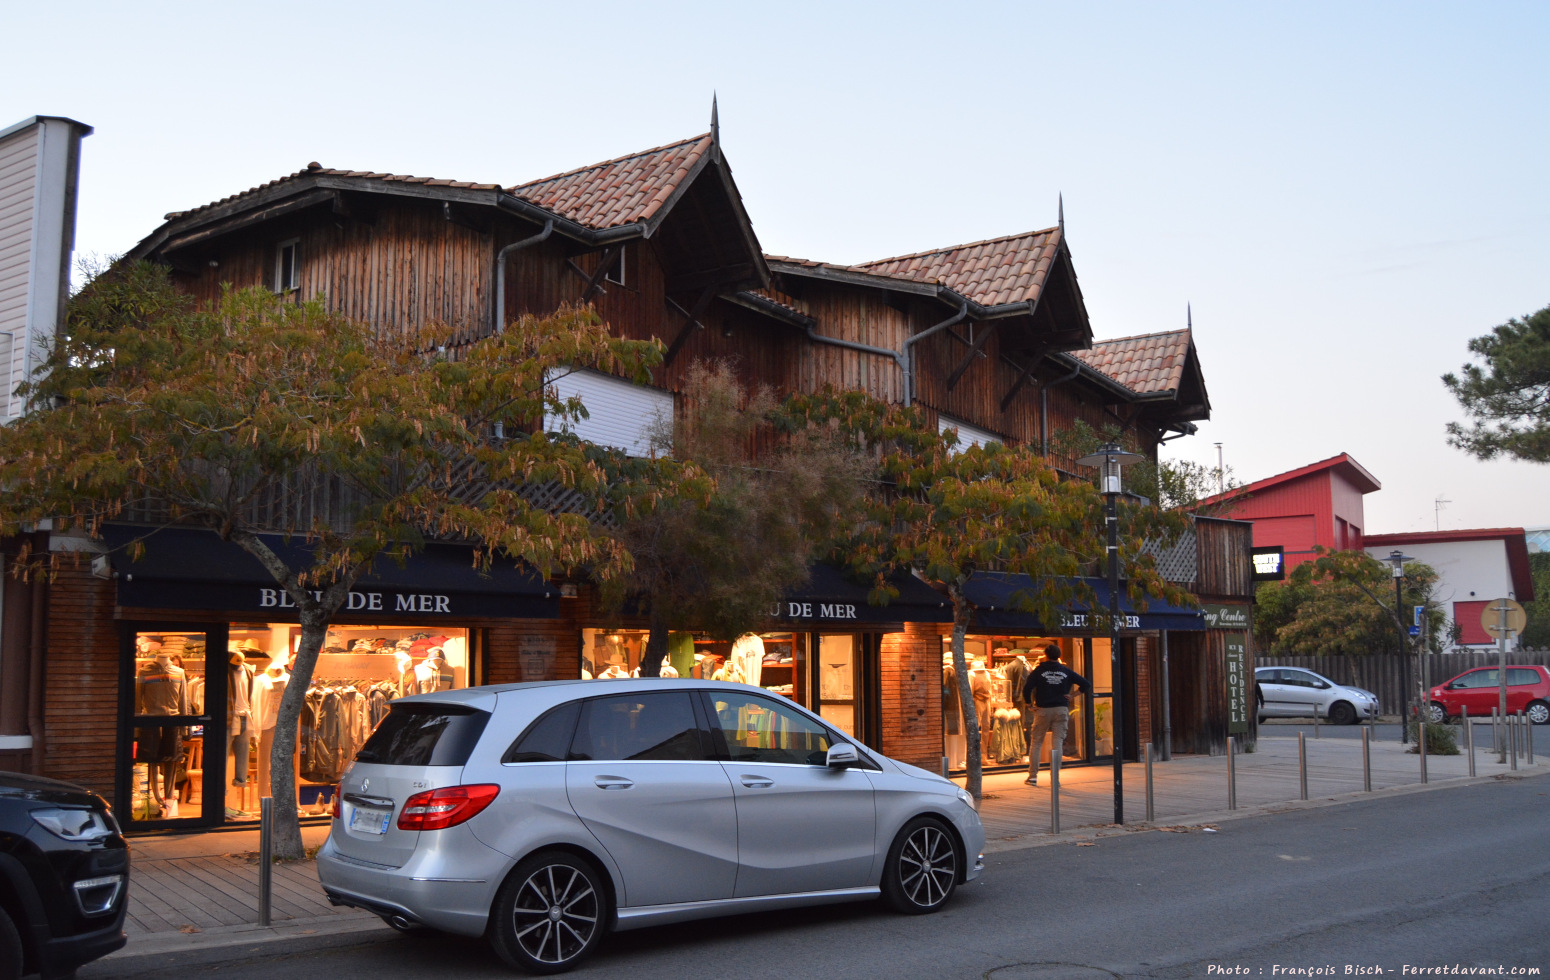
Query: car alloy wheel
{"points": [[1538, 712], [922, 868], [1436, 713], [550, 915]]}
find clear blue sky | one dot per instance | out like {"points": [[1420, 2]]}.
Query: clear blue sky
{"points": [[1345, 192]]}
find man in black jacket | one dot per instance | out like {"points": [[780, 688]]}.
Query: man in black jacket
{"points": [[1047, 690]]}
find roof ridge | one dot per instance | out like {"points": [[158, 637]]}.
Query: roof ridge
{"points": [[953, 248], [1140, 336], [604, 163]]}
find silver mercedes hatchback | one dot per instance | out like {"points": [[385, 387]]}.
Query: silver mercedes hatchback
{"points": [[542, 816]]}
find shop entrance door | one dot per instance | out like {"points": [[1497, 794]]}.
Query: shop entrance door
{"points": [[172, 756]]}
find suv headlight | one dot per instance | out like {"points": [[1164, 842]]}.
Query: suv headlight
{"points": [[73, 825], [966, 797]]}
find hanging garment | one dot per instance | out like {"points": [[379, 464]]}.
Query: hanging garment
{"points": [[950, 706], [433, 674], [268, 689], [316, 764], [680, 652], [748, 654], [979, 686], [1016, 671], [161, 689]]}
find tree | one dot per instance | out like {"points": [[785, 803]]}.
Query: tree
{"points": [[1172, 484], [1536, 634], [949, 512], [1508, 396], [195, 416], [720, 560], [1341, 604]]}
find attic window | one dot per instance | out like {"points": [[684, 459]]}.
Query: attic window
{"points": [[615, 271], [287, 266]]}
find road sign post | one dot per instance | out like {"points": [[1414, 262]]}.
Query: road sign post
{"points": [[1502, 618]]}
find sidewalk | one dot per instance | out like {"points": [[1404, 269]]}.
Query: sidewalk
{"points": [[194, 899]]}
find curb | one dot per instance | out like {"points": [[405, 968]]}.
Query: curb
{"points": [[1211, 818], [158, 951]]}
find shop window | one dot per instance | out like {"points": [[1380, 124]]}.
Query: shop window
{"points": [[768, 660], [998, 670], [166, 753]]}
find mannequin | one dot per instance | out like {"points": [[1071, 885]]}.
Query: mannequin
{"points": [[979, 686], [239, 720], [954, 738], [161, 688], [405, 664], [434, 673], [748, 654], [268, 689]]}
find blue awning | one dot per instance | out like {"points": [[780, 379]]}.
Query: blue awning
{"points": [[186, 568], [993, 595], [831, 596]]}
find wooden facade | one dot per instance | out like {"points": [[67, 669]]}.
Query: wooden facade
{"points": [[407, 254]]}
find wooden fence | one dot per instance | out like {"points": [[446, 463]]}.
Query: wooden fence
{"points": [[1380, 672]]}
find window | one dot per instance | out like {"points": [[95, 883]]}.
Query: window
{"points": [[287, 266], [1476, 679], [1518, 676], [968, 435], [760, 730], [615, 271], [547, 739], [638, 727], [425, 735], [619, 413]]}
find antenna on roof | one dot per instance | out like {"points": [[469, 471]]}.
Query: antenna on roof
{"points": [[1437, 506], [1062, 212], [1189, 317], [715, 123]]}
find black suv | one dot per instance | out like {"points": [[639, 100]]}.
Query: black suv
{"points": [[64, 877]]}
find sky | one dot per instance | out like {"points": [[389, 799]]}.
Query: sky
{"points": [[1342, 193]]}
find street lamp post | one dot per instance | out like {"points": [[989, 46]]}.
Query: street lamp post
{"points": [[1110, 460], [1396, 560]]}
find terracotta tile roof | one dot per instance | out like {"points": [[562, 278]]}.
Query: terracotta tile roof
{"points": [[313, 170], [1001, 270], [618, 192], [1146, 364]]}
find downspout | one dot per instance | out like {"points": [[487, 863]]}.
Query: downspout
{"points": [[1044, 405], [908, 361], [500, 271], [905, 358], [35, 668]]}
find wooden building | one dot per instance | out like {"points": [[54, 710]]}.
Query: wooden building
{"points": [[990, 338]]}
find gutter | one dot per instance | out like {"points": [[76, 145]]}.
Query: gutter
{"points": [[35, 667], [905, 359]]}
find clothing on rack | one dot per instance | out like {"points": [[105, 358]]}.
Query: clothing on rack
{"points": [[748, 654], [1008, 744]]}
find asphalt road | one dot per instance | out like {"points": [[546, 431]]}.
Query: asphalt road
{"points": [[1455, 876]]}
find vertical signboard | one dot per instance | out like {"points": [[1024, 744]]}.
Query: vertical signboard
{"points": [[1238, 697]]}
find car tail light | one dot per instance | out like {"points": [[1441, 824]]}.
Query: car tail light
{"points": [[333, 802], [449, 806]]}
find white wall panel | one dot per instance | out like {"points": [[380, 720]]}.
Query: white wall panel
{"points": [[620, 414]]}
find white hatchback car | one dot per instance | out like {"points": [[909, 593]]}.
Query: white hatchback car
{"points": [[541, 816], [1293, 692]]}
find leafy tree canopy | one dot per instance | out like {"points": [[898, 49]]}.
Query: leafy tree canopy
{"points": [[241, 418], [1173, 484], [1508, 394], [948, 512], [1536, 634], [1341, 603]]}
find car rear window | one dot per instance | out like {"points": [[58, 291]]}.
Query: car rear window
{"points": [[1522, 675], [547, 739], [425, 735]]}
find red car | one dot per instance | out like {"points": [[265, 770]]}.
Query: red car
{"points": [[1528, 690]]}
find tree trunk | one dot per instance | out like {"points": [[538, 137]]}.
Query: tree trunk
{"points": [[971, 723], [282, 755], [656, 646]]}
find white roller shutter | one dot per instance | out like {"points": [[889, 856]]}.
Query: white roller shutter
{"points": [[620, 414], [968, 435]]}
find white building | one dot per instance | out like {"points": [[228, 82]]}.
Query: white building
{"points": [[1473, 567]]}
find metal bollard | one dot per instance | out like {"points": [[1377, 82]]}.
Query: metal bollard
{"points": [[1469, 739], [944, 767], [1150, 812], [1496, 736], [1232, 774], [1420, 744], [1302, 766], [1366, 762], [1315, 721], [1528, 737], [1518, 742], [1512, 741], [1054, 789], [265, 858]]}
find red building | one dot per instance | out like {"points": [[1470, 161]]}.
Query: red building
{"points": [[1318, 504]]}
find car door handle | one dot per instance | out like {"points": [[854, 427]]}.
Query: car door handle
{"points": [[756, 782], [612, 782]]}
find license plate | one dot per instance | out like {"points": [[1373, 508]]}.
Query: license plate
{"points": [[370, 821]]}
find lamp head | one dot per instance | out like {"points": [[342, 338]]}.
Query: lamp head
{"points": [[1109, 460], [1396, 560]]}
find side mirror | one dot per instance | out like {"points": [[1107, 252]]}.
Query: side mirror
{"points": [[842, 755]]}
